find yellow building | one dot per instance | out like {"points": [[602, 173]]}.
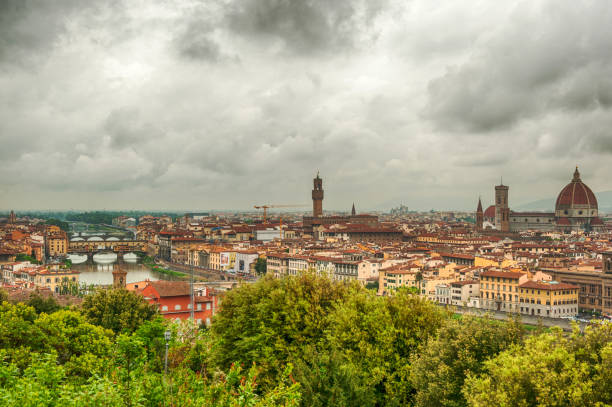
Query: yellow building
{"points": [[499, 290], [57, 243], [54, 280], [214, 261], [394, 277], [493, 262], [548, 299]]}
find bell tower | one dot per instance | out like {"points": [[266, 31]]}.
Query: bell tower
{"points": [[502, 212], [119, 277], [317, 197]]}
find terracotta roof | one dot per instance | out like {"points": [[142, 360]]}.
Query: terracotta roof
{"points": [[552, 286], [563, 221], [170, 288], [596, 221], [462, 283], [457, 256], [489, 212], [576, 193], [502, 274]]}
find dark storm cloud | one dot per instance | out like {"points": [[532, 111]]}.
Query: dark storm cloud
{"points": [[307, 26], [30, 29], [126, 129], [547, 56]]}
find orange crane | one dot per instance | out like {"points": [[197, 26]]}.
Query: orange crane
{"points": [[268, 206]]}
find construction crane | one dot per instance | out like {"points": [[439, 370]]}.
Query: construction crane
{"points": [[268, 206]]}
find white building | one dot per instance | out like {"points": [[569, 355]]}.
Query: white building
{"points": [[462, 291]]}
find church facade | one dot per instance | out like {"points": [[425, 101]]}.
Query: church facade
{"points": [[575, 210]]}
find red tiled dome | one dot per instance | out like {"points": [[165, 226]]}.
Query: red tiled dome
{"points": [[576, 194], [489, 212], [563, 221], [596, 222]]}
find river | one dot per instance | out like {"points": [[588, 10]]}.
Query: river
{"points": [[100, 273]]}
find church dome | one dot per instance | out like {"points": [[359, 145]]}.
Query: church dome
{"points": [[576, 199]]}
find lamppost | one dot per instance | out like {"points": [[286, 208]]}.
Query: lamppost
{"points": [[167, 336]]}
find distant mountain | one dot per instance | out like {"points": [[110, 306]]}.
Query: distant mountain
{"points": [[604, 201]]}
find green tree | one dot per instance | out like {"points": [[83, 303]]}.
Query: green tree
{"points": [[375, 337], [3, 296], [273, 320], [62, 225], [26, 257], [130, 355], [47, 305], [441, 365], [261, 266], [19, 337], [548, 370], [82, 347], [117, 309]]}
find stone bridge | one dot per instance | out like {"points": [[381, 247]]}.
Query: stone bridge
{"points": [[116, 246]]}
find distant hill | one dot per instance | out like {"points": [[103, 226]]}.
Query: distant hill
{"points": [[604, 200]]}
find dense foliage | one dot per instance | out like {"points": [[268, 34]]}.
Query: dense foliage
{"points": [[97, 217], [302, 340], [117, 310], [62, 225], [261, 266], [26, 257]]}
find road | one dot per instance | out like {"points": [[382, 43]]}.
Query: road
{"points": [[209, 274], [564, 324]]}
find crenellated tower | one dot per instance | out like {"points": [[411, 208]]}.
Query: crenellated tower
{"points": [[317, 197]]}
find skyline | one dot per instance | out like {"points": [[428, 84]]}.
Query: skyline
{"points": [[226, 104]]}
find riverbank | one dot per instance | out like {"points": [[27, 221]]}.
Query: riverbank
{"points": [[150, 263]]}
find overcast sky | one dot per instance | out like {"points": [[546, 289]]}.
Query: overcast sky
{"points": [[185, 104]]}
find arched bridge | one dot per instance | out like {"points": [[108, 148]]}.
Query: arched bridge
{"points": [[117, 246]]}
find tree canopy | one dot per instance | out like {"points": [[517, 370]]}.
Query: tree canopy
{"points": [[296, 341], [118, 310]]}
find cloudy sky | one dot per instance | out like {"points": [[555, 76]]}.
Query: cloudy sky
{"points": [[202, 104]]}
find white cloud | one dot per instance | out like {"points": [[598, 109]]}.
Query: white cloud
{"points": [[136, 103]]}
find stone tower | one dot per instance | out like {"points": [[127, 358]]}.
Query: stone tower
{"points": [[317, 197], [479, 216], [119, 277], [353, 212], [12, 218], [502, 212]]}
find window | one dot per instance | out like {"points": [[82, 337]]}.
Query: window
{"points": [[165, 308], [207, 321], [199, 307], [177, 307]]}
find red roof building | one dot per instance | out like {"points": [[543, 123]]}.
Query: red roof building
{"points": [[173, 301]]}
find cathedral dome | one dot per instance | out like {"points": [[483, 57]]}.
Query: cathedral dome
{"points": [[490, 212], [576, 199]]}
